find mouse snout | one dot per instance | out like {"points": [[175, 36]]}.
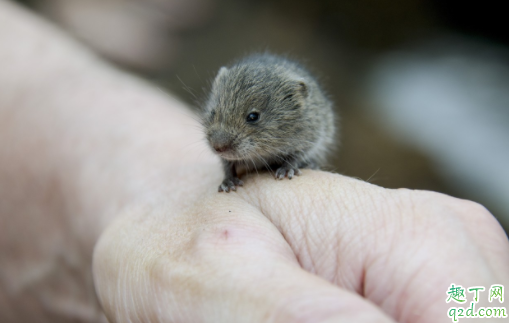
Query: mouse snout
{"points": [[220, 141], [221, 148]]}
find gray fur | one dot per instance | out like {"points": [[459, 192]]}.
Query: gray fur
{"points": [[295, 127]]}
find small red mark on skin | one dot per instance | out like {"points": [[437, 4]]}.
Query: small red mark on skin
{"points": [[225, 234]]}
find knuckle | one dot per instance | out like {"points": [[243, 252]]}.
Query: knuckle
{"points": [[440, 204]]}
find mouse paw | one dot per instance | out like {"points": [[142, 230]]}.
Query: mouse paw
{"points": [[287, 170], [230, 184]]}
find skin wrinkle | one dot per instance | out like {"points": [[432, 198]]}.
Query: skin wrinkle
{"points": [[413, 232], [224, 287], [362, 289], [372, 291], [231, 284], [381, 238], [463, 231], [302, 224], [396, 226], [283, 229], [399, 295], [305, 224], [348, 267], [325, 268], [344, 243], [489, 231], [141, 313], [138, 268], [323, 263], [296, 303], [404, 311], [309, 264]]}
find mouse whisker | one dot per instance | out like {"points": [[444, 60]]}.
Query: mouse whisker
{"points": [[260, 158]]}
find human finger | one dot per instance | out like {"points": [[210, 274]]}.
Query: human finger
{"points": [[394, 247]]}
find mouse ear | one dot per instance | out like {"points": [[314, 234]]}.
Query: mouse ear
{"points": [[222, 72], [302, 88]]}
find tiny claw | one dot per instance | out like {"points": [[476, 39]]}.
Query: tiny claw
{"points": [[282, 172], [230, 185]]}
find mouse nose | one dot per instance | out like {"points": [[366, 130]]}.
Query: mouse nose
{"points": [[220, 141], [221, 148]]}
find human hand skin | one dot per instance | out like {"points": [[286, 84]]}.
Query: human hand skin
{"points": [[97, 165], [256, 256]]}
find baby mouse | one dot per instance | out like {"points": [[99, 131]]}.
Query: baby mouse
{"points": [[266, 111]]}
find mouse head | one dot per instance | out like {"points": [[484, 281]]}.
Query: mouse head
{"points": [[255, 112]]}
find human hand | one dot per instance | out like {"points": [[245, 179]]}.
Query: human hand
{"points": [[99, 154], [319, 248]]}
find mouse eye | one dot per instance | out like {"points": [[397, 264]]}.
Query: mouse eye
{"points": [[252, 117]]}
